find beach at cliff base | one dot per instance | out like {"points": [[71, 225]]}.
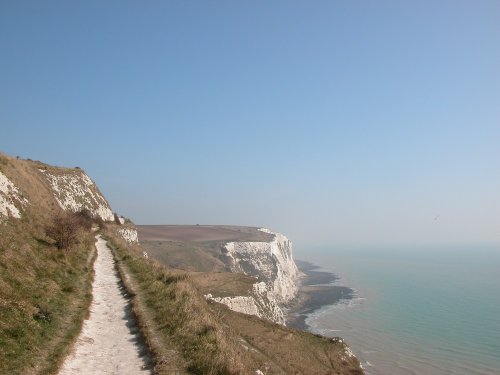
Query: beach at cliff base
{"points": [[317, 290]]}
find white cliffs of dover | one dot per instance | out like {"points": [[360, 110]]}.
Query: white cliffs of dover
{"points": [[272, 263], [12, 201], [75, 191]]}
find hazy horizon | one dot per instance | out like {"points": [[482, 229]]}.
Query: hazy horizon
{"points": [[343, 124]]}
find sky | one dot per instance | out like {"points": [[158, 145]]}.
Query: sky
{"points": [[337, 123]]}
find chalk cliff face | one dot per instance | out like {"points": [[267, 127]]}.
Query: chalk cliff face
{"points": [[30, 187], [27, 184], [129, 234], [272, 264], [12, 201], [74, 191]]}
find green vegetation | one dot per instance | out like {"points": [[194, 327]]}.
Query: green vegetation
{"points": [[44, 297], [45, 279], [181, 326], [46, 260], [64, 228], [186, 332]]}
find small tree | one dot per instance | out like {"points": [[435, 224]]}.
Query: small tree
{"points": [[63, 230]]}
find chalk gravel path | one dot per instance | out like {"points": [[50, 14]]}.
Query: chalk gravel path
{"points": [[107, 343]]}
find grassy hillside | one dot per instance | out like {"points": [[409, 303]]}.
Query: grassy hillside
{"points": [[184, 330], [44, 290], [44, 295], [45, 287], [194, 247]]}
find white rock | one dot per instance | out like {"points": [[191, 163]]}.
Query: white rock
{"points": [[271, 262], [76, 191], [349, 352], [9, 197], [242, 304], [129, 235]]}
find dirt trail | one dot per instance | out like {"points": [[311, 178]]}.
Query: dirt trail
{"points": [[108, 343]]}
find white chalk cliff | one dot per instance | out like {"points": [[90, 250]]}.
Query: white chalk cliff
{"points": [[129, 234], [75, 191], [272, 264], [12, 201], [71, 189]]}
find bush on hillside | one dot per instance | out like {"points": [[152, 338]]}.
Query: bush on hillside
{"points": [[64, 228], [84, 219]]}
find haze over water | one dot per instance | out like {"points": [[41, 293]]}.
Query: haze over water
{"points": [[433, 311]]}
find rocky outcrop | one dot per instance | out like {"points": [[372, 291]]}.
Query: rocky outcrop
{"points": [[272, 264], [75, 191], [260, 303], [129, 235], [12, 201]]}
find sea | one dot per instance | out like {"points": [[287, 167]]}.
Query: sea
{"points": [[415, 310]]}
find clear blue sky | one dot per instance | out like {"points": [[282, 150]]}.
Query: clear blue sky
{"points": [[334, 122]]}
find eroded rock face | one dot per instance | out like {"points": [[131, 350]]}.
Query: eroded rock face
{"points": [[129, 235], [260, 303], [272, 263], [75, 191], [11, 200], [243, 304]]}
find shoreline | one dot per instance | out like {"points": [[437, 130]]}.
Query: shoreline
{"points": [[316, 290]]}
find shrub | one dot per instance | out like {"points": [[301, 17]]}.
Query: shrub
{"points": [[63, 230], [84, 219]]}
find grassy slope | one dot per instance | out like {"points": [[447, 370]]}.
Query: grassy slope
{"points": [[188, 256], [174, 317], [194, 247], [37, 280], [186, 334], [207, 338]]}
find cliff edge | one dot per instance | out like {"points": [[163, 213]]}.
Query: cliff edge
{"points": [[277, 275], [46, 288], [35, 189]]}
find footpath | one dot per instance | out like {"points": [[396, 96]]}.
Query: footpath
{"points": [[109, 342]]}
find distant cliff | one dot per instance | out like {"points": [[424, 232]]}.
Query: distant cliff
{"points": [[272, 264]]}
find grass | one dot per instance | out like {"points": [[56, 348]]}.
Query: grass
{"points": [[44, 292], [181, 321], [44, 297], [208, 338], [188, 256], [281, 350]]}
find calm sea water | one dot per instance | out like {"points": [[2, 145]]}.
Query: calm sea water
{"points": [[420, 311]]}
